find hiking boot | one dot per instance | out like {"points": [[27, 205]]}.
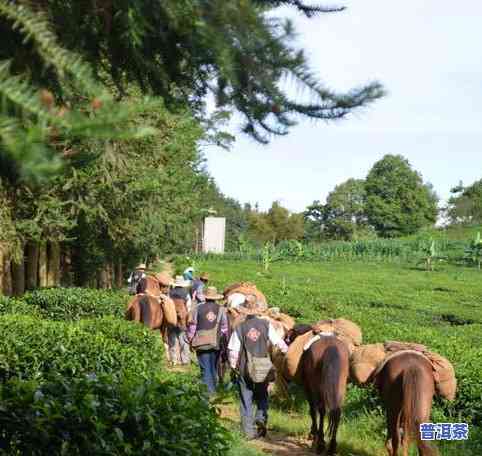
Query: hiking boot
{"points": [[262, 430]]}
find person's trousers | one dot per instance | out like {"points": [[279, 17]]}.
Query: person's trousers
{"points": [[178, 346], [208, 362], [252, 394]]}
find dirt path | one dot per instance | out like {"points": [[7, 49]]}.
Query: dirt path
{"points": [[275, 443]]}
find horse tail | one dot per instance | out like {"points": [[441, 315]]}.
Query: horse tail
{"points": [[411, 397], [145, 308], [331, 395]]}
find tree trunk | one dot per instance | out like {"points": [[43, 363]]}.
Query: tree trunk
{"points": [[66, 277], [7, 277], [119, 279], [32, 266], [53, 269], [18, 276], [42, 265], [102, 278], [2, 269], [110, 275]]}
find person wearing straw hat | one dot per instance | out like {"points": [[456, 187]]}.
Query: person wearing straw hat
{"points": [[251, 364], [179, 352], [198, 286], [208, 325], [135, 277]]}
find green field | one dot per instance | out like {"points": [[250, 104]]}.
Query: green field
{"points": [[442, 309]]}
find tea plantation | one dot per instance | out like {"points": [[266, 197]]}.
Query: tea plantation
{"points": [[390, 301]]}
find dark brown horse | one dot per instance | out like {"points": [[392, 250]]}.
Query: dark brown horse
{"points": [[407, 387], [324, 368], [181, 312]]}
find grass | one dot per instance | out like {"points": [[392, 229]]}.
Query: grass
{"points": [[442, 309]]}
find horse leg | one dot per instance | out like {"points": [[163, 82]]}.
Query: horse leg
{"points": [[334, 420], [320, 444], [314, 424]]}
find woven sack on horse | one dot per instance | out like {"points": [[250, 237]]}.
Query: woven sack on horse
{"points": [[292, 359], [444, 376], [287, 321], [245, 288], [443, 370], [345, 330], [364, 361], [169, 309], [278, 359]]}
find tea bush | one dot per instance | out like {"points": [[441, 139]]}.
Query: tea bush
{"points": [[105, 415], [76, 303], [32, 348]]}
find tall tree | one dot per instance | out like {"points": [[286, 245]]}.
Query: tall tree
{"points": [[276, 225], [465, 206], [183, 50], [397, 200]]}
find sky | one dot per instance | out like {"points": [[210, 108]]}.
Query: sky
{"points": [[428, 56]]}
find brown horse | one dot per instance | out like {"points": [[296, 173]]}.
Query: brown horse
{"points": [[324, 369], [147, 310], [407, 387]]}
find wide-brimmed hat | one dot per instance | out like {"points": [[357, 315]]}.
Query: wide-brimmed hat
{"points": [[164, 279], [212, 294], [204, 276], [141, 266], [180, 282]]}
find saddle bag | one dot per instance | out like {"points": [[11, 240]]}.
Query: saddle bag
{"points": [[208, 339]]}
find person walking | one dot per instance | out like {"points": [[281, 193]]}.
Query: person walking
{"points": [[208, 325], [249, 358], [135, 277], [198, 286], [179, 351]]}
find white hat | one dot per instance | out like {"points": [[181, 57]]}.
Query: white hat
{"points": [[236, 299], [180, 282]]}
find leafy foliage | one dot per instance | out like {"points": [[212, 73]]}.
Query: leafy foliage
{"points": [[105, 415], [473, 253], [465, 206], [398, 202], [33, 348], [343, 217], [184, 50], [72, 304]]}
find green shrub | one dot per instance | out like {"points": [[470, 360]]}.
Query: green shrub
{"points": [[34, 348], [17, 306], [108, 416], [76, 303]]}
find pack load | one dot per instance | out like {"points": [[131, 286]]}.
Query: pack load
{"points": [[344, 330], [169, 309], [245, 288], [368, 360], [365, 360], [273, 313]]}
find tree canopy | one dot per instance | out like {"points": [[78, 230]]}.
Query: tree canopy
{"points": [[465, 206], [398, 202]]}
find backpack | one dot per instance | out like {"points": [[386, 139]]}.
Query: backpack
{"points": [[260, 369]]}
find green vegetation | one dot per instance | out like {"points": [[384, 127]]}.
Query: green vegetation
{"points": [[390, 301], [83, 382]]}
